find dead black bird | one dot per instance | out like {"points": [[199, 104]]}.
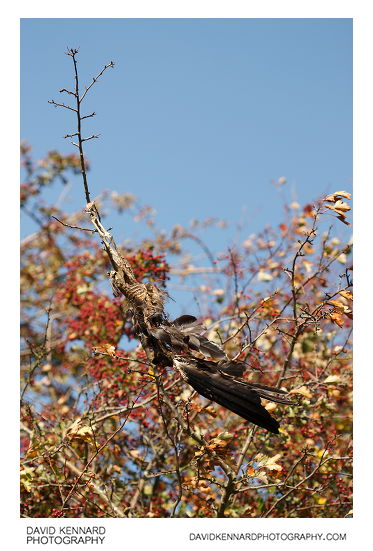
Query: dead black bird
{"points": [[221, 382]]}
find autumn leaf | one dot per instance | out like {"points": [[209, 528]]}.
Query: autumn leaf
{"points": [[217, 444], [308, 265], [340, 207], [35, 446], [338, 304], [210, 410], [346, 294], [337, 318], [264, 461], [79, 431], [309, 211], [334, 196], [27, 474], [250, 471], [264, 276], [109, 349], [270, 407], [271, 463], [332, 379], [303, 390], [339, 309]]}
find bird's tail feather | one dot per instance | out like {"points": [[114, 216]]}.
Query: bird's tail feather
{"points": [[272, 394], [237, 396]]}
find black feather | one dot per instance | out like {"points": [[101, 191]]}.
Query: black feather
{"points": [[184, 320], [237, 395], [194, 334], [185, 334]]}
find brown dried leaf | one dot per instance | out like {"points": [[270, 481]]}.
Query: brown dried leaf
{"points": [[337, 317], [79, 431], [334, 196], [211, 411], [339, 207], [337, 304], [346, 294], [342, 219]]}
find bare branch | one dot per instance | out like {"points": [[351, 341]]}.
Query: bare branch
{"points": [[67, 92], [87, 116], [74, 227], [111, 64], [90, 137], [51, 101]]}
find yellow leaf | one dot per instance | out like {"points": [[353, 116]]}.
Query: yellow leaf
{"points": [[308, 265], [271, 406], [225, 436], [218, 292], [263, 478], [321, 500], [46, 367], [148, 489], [26, 477], [342, 258], [136, 454], [263, 461], [264, 276], [308, 249], [271, 463], [346, 294], [333, 379], [303, 390]]}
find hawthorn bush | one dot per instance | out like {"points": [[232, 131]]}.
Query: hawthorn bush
{"points": [[105, 433]]}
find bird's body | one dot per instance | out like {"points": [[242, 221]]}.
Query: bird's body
{"points": [[186, 333]]}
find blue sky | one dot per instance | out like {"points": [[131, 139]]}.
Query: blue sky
{"points": [[198, 115]]}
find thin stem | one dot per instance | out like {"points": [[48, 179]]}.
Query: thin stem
{"points": [[79, 131]]}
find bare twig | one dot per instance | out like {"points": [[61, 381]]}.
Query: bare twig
{"points": [[74, 227]]}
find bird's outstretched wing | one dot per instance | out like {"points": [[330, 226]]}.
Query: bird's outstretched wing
{"points": [[222, 386]]}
